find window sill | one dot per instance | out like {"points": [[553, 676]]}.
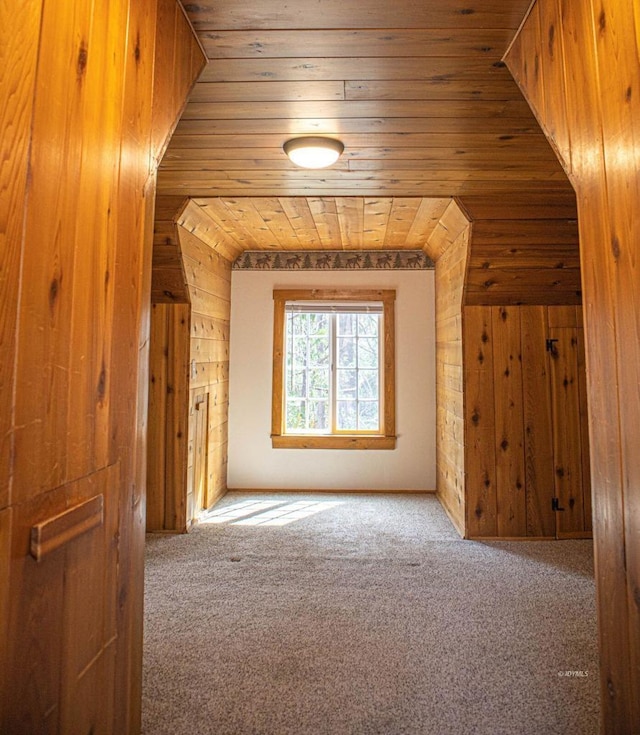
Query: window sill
{"points": [[279, 441]]}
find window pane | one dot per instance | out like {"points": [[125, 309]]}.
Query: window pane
{"points": [[367, 384], [319, 351], [347, 324], [368, 419], [332, 370], [347, 384], [300, 351], [346, 352], [318, 415], [347, 415], [299, 322], [318, 324], [367, 352], [296, 415], [368, 325], [319, 384], [297, 384]]}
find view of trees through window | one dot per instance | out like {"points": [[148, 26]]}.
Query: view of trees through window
{"points": [[332, 371]]}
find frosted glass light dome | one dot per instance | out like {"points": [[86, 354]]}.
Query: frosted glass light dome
{"points": [[313, 152]]}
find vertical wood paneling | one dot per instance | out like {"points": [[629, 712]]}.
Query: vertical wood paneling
{"points": [[507, 377], [74, 330], [600, 96], [552, 67], [157, 431], [18, 56], [494, 402], [538, 429], [567, 435], [480, 443], [584, 428]]}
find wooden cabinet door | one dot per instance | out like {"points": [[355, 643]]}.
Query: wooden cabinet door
{"points": [[570, 443]]}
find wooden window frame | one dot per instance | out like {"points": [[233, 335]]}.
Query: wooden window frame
{"points": [[386, 439]]}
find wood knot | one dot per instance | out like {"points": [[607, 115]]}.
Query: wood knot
{"points": [[602, 21], [466, 11], [475, 418], [478, 511], [484, 337], [54, 288], [504, 445], [102, 382], [83, 56], [628, 94], [615, 247]]}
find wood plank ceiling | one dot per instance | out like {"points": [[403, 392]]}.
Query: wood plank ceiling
{"points": [[415, 89]]}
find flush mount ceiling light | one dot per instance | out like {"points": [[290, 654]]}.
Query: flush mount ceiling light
{"points": [[313, 152]]}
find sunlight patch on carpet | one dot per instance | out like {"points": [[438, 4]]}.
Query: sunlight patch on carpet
{"points": [[267, 513]]}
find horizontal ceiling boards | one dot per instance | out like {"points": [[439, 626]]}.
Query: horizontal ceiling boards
{"points": [[267, 14], [417, 92]]}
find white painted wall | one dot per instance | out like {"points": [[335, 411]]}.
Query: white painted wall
{"points": [[253, 463]]}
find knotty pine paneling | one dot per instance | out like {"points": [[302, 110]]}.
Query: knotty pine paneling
{"points": [[594, 96], [209, 280], [189, 389], [524, 261], [168, 417], [449, 245], [479, 441], [430, 86], [78, 105], [523, 441], [239, 15]]}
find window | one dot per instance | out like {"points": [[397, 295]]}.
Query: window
{"points": [[333, 369]]}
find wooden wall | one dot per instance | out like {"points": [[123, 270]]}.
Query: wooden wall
{"points": [[189, 377], [578, 65], [168, 433], [523, 261], [525, 422], [85, 115], [449, 248]]}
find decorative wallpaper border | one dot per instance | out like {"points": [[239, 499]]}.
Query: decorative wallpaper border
{"points": [[336, 260]]}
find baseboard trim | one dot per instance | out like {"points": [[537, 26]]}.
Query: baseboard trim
{"points": [[335, 491]]}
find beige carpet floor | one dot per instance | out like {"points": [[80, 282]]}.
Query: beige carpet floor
{"points": [[361, 614]]}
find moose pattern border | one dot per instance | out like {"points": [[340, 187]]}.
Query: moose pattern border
{"points": [[336, 260]]}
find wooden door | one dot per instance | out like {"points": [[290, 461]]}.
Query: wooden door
{"points": [[570, 441]]}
